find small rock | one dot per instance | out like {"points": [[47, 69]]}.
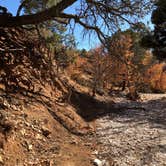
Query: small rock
{"points": [[95, 152], [5, 103], [39, 137], [75, 142], [98, 162], [14, 107], [30, 147], [27, 124], [45, 131], [24, 115], [23, 131], [1, 160]]}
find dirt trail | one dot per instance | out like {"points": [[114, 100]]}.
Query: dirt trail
{"points": [[135, 136]]}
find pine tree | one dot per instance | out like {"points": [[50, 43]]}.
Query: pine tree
{"points": [[159, 19], [157, 38]]}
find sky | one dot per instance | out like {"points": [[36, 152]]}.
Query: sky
{"points": [[86, 43], [12, 5], [82, 42]]}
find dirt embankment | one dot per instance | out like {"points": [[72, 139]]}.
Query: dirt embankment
{"points": [[35, 134], [38, 125]]}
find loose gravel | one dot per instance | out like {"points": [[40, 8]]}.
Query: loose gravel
{"points": [[136, 134]]}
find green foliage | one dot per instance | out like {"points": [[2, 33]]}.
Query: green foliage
{"points": [[138, 50], [157, 38], [83, 53], [159, 19], [33, 6], [126, 50], [52, 31], [52, 2], [159, 14], [135, 33], [64, 56]]}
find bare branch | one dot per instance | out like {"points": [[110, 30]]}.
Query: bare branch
{"points": [[48, 14], [86, 26], [4, 10], [100, 16], [21, 6]]}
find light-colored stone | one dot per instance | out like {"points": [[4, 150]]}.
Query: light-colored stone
{"points": [[38, 136], [98, 162], [1, 160], [23, 132], [30, 147]]}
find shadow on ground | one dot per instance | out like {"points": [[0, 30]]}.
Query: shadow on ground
{"points": [[153, 111]]}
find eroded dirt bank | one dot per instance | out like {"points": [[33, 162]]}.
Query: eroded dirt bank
{"points": [[136, 134]]}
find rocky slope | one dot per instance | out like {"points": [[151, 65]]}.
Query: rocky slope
{"points": [[38, 125], [30, 134]]}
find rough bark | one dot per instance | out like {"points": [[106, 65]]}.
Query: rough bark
{"points": [[48, 14]]}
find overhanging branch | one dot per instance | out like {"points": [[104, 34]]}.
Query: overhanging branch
{"points": [[77, 19], [48, 14], [21, 6]]}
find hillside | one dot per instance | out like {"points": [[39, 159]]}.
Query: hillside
{"points": [[38, 124]]}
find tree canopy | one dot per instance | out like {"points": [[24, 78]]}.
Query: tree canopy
{"points": [[101, 16], [156, 39], [159, 19]]}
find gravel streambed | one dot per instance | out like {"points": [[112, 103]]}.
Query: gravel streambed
{"points": [[136, 134]]}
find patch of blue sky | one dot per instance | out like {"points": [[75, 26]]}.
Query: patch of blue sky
{"points": [[83, 39], [11, 5], [86, 41]]}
